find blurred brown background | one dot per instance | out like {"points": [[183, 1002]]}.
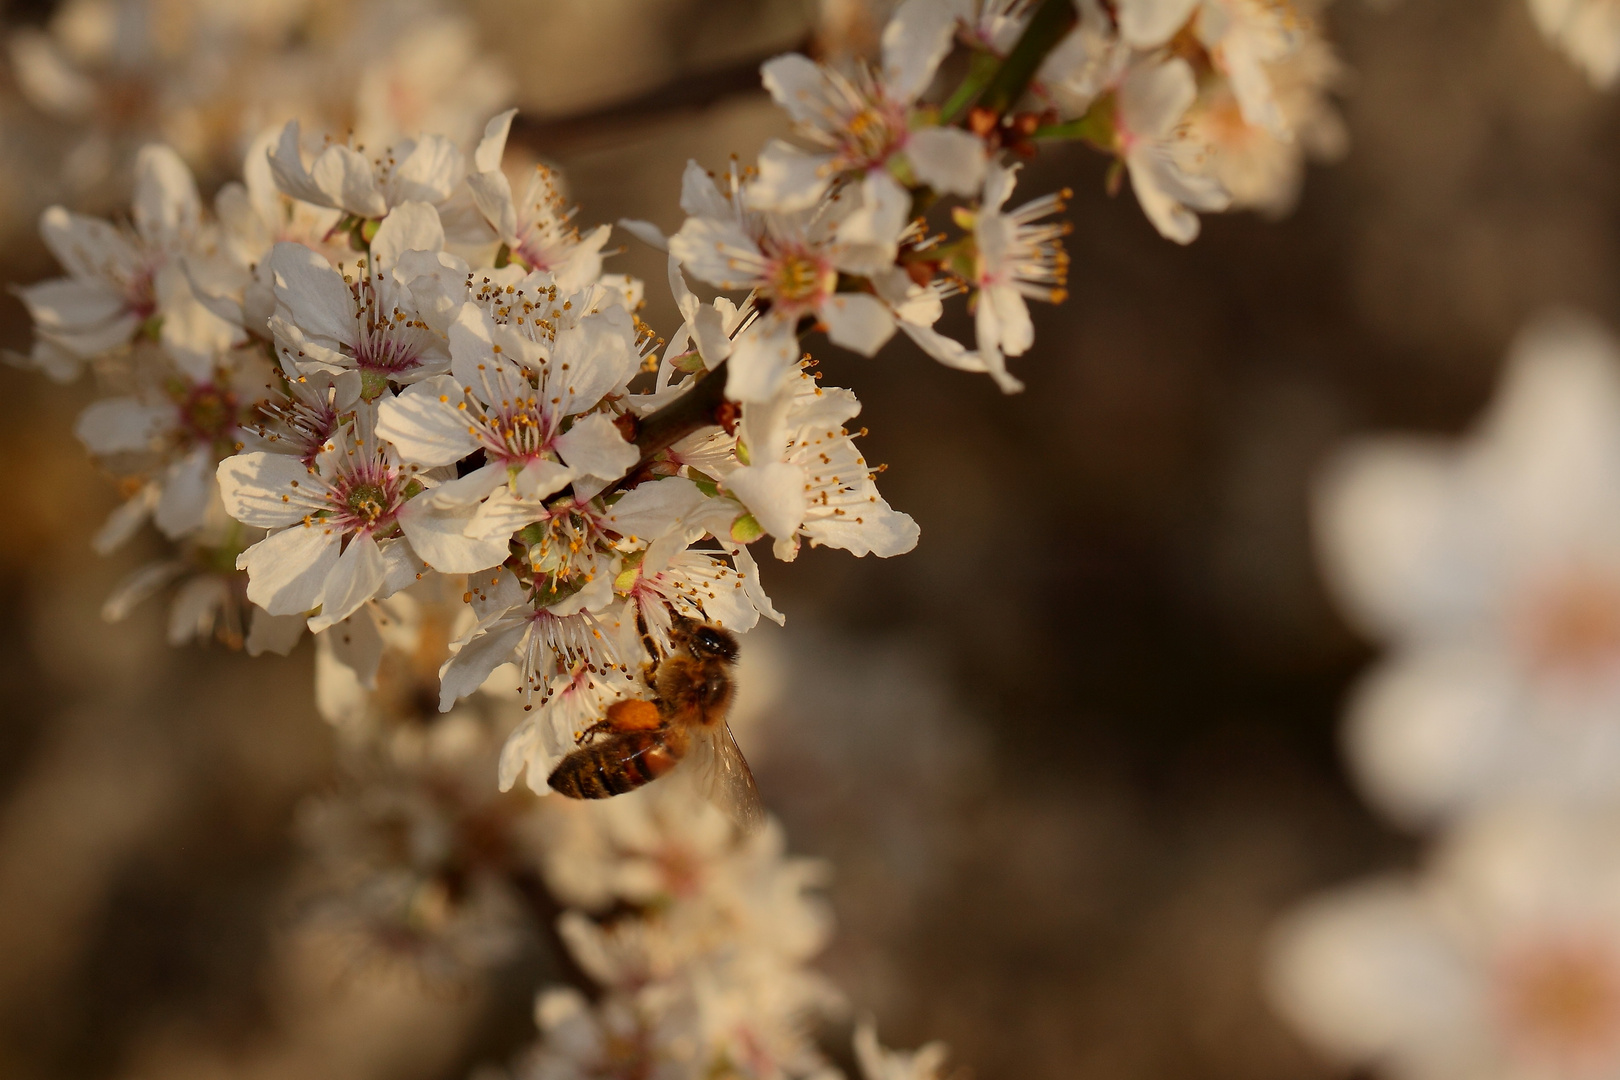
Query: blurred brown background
{"points": [[1068, 758]]}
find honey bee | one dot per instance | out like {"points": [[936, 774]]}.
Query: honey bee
{"points": [[639, 741]]}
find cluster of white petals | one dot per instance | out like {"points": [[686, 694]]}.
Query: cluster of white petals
{"points": [[1491, 568], [366, 371], [205, 77], [1208, 104], [697, 938]]}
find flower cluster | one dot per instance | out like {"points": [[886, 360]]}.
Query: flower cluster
{"points": [[399, 364], [205, 77], [1206, 104], [378, 410], [697, 935], [1493, 569]]}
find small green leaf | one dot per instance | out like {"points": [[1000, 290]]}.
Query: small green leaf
{"points": [[706, 484], [745, 530]]}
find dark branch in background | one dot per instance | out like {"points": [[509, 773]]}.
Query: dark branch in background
{"points": [[687, 93], [1049, 25]]}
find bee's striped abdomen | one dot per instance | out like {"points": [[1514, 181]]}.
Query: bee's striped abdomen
{"points": [[612, 766]]}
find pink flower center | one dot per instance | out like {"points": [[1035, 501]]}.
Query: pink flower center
{"points": [[366, 499], [796, 280], [1573, 625], [1562, 1000], [208, 413]]}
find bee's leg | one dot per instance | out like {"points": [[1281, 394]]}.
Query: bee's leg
{"points": [[631, 714], [601, 727], [649, 670]]}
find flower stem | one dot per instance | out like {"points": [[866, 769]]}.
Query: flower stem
{"points": [[703, 405], [982, 67], [1048, 26]]}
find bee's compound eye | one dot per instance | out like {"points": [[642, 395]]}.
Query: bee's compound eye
{"points": [[713, 641]]}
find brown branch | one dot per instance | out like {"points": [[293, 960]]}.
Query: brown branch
{"points": [[687, 93]]}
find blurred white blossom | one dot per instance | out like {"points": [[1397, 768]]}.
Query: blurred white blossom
{"points": [[1501, 959], [1492, 568]]}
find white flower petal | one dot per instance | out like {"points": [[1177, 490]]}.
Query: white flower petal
{"points": [[948, 351], [492, 147], [869, 237], [1154, 97], [426, 424], [919, 35], [139, 587], [799, 86], [699, 195], [166, 207], [469, 489], [520, 747], [315, 295], [1147, 24], [466, 671], [401, 567], [947, 159], [258, 488], [789, 179], [773, 492], [195, 608], [877, 530], [88, 248], [122, 425], [1406, 549], [1432, 732], [539, 479], [429, 173], [348, 181], [762, 361], [1367, 975], [646, 232], [122, 522], [501, 515], [596, 447], [717, 251], [411, 226], [356, 645], [188, 489], [273, 633], [859, 322], [287, 167], [287, 570], [438, 535], [356, 577]]}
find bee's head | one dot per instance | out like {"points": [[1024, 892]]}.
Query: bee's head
{"points": [[705, 641]]}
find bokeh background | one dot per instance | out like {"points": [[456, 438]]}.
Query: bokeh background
{"points": [[1068, 759]]}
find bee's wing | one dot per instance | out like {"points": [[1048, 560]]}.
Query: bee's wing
{"points": [[721, 774]]}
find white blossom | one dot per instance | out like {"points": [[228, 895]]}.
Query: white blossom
{"points": [[791, 263], [1166, 168], [1491, 568], [1016, 256], [1502, 959], [122, 281], [334, 540], [537, 231], [865, 124]]}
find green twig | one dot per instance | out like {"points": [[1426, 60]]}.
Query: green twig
{"points": [[1049, 25]]}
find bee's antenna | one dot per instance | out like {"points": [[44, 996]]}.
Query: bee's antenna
{"points": [[649, 670]]}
